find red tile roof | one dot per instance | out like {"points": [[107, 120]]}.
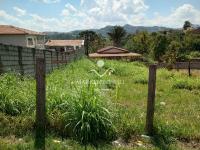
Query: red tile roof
{"points": [[12, 30], [111, 51], [52, 43], [98, 55], [196, 31]]}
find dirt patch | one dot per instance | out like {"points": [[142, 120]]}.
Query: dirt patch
{"points": [[185, 144], [134, 142], [11, 140]]}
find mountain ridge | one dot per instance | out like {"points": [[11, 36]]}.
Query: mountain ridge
{"points": [[130, 29]]}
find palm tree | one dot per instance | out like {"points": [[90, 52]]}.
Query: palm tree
{"points": [[117, 35]]}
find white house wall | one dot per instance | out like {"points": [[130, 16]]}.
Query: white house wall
{"points": [[17, 40]]}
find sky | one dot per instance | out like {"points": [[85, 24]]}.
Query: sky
{"points": [[69, 15]]}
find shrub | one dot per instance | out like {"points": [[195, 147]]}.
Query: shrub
{"points": [[186, 84], [182, 84], [88, 116], [194, 54]]}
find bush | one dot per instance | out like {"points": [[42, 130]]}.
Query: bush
{"points": [[186, 84], [194, 54], [88, 116]]}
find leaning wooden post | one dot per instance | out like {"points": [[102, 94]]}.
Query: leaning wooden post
{"points": [[40, 104], [151, 99]]}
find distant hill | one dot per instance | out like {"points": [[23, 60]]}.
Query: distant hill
{"points": [[103, 31]]}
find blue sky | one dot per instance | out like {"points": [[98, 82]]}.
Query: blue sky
{"points": [[68, 15]]}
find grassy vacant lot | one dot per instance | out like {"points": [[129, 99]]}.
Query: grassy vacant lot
{"points": [[122, 95]]}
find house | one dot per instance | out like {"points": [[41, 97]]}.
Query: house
{"points": [[196, 31], [16, 36], [65, 45], [112, 52]]}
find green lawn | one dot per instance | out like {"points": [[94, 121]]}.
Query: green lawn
{"points": [[177, 110]]}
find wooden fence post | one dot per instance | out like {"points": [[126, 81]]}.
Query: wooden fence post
{"points": [[40, 104], [189, 69], [151, 99]]}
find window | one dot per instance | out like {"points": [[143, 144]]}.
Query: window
{"points": [[30, 41]]}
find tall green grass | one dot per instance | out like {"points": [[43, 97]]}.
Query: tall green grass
{"points": [[125, 102], [88, 115], [16, 95]]}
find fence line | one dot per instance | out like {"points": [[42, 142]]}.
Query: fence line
{"points": [[193, 64], [23, 60]]}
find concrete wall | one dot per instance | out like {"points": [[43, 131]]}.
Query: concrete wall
{"points": [[22, 59], [21, 40], [17, 40]]}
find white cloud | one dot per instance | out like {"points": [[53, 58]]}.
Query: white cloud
{"points": [[99, 13], [19, 11], [34, 22], [5, 16], [177, 17], [82, 2], [69, 10], [117, 10], [105, 12]]}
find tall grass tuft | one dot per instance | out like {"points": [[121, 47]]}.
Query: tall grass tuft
{"points": [[16, 94], [88, 116], [187, 84]]}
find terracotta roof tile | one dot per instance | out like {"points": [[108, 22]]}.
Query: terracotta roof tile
{"points": [[9, 30], [98, 55], [111, 50], [196, 31], [65, 43]]}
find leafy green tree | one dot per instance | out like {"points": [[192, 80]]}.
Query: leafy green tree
{"points": [[97, 43], [172, 52], [159, 47], [89, 37], [116, 35], [93, 41], [187, 25], [140, 42]]}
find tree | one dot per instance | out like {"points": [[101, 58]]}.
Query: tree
{"points": [[173, 50], [89, 37], [140, 42], [116, 35], [93, 41], [160, 46], [187, 25], [97, 43]]}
